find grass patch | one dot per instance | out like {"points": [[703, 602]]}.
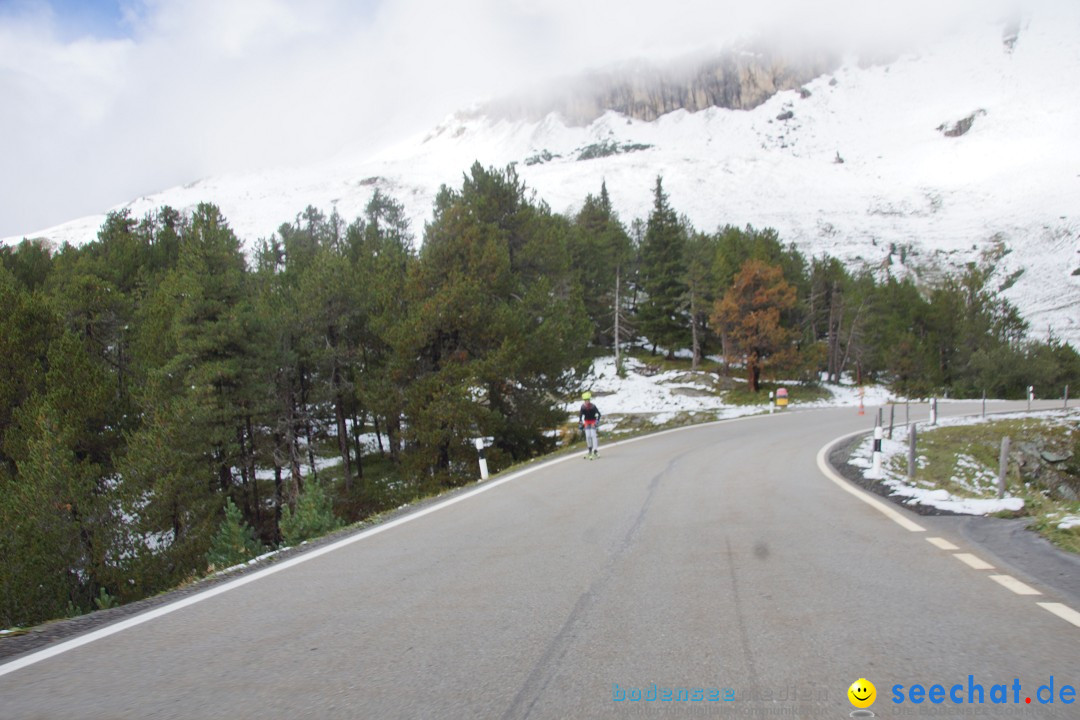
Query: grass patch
{"points": [[663, 363], [964, 460], [1065, 539], [742, 395], [739, 393]]}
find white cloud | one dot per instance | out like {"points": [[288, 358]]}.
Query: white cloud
{"points": [[202, 86]]}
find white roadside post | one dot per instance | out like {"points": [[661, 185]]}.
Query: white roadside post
{"points": [[483, 460], [933, 411], [877, 452], [1031, 395], [911, 459], [1003, 467], [772, 402]]}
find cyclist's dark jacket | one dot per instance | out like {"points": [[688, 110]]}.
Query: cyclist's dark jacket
{"points": [[588, 413]]}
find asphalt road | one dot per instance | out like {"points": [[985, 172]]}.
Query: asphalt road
{"points": [[718, 558]]}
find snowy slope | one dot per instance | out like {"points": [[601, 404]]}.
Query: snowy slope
{"points": [[905, 195]]}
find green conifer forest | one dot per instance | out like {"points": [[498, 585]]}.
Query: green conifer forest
{"points": [[166, 397]]}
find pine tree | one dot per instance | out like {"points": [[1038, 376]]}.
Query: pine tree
{"points": [[734, 246], [314, 516], [332, 314], [495, 323], [750, 311], [60, 506], [26, 329], [234, 542], [968, 319], [30, 263], [890, 332], [383, 256], [663, 273], [835, 311], [198, 400], [601, 250], [40, 545], [700, 290], [278, 331]]}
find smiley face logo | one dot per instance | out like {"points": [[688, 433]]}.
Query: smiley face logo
{"points": [[862, 693]]}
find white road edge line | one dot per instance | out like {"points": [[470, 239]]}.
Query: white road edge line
{"points": [[63, 647], [941, 543], [973, 561], [1015, 585], [1062, 611], [873, 502]]}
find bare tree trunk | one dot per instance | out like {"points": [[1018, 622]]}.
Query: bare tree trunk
{"points": [[279, 501], [307, 425], [851, 338], [339, 408], [225, 476], [293, 445], [378, 433], [393, 434], [358, 428], [618, 312], [836, 316], [251, 468], [245, 504], [279, 489], [343, 440], [725, 349], [695, 343]]}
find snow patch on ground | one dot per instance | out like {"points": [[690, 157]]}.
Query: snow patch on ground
{"points": [[654, 395], [663, 396], [252, 561]]}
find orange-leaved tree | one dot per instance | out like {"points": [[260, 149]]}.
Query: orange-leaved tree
{"points": [[750, 314]]}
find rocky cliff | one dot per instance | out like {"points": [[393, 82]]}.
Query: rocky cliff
{"points": [[738, 80]]}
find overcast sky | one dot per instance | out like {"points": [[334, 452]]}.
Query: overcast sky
{"points": [[102, 101]]}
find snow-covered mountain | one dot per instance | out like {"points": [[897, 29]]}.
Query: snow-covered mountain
{"points": [[964, 150]]}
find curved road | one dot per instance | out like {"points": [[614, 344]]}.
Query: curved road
{"points": [[718, 559]]}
